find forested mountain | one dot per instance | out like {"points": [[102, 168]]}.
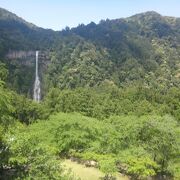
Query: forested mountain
{"points": [[110, 95], [17, 34], [142, 48]]}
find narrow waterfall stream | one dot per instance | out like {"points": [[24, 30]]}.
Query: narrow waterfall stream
{"points": [[37, 88]]}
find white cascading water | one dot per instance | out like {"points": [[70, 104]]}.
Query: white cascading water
{"points": [[37, 88]]}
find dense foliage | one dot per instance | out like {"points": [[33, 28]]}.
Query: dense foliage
{"points": [[111, 95], [139, 146], [136, 142], [141, 49], [104, 101], [22, 155]]}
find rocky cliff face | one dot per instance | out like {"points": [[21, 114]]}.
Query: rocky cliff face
{"points": [[22, 69], [27, 57], [19, 54]]}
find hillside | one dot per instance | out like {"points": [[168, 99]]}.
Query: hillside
{"points": [[143, 48], [17, 34], [110, 99]]}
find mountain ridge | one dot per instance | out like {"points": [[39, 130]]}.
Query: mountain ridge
{"points": [[142, 48], [14, 16], [7, 15]]}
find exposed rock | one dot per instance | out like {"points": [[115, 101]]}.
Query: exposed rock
{"points": [[28, 57], [91, 163], [19, 54]]}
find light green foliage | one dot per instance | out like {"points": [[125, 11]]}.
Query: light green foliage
{"points": [[161, 137], [103, 102], [108, 167], [26, 110], [118, 139], [3, 72], [150, 136], [124, 72], [6, 120], [137, 162], [173, 168], [6, 107], [33, 157], [141, 167], [76, 132]]}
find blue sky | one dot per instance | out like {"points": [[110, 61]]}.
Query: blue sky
{"points": [[57, 14]]}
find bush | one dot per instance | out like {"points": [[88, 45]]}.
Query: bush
{"points": [[108, 166], [32, 158]]}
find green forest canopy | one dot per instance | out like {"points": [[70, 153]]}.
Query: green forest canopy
{"points": [[110, 94]]}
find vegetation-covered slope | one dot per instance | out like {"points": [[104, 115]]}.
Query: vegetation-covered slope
{"points": [[142, 48], [17, 34], [111, 95]]}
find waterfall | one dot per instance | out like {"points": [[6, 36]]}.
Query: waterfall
{"points": [[37, 88]]}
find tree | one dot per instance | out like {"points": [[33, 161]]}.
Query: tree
{"points": [[159, 136], [108, 166]]}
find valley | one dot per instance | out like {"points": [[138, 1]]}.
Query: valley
{"points": [[107, 93]]}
